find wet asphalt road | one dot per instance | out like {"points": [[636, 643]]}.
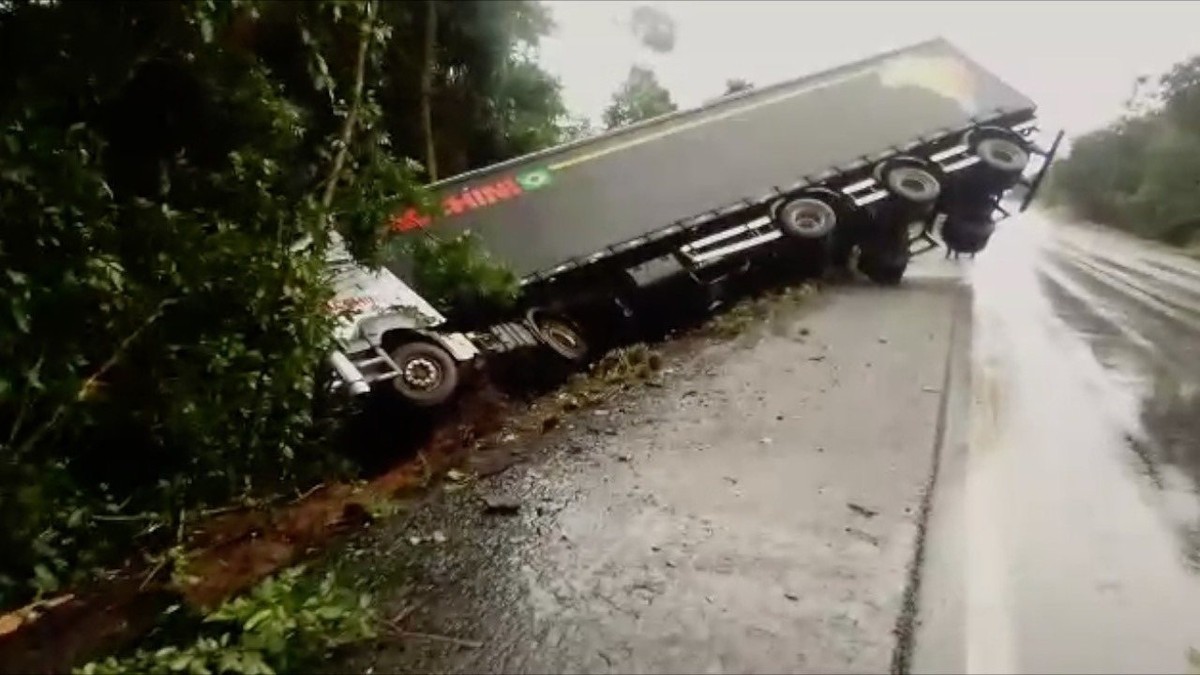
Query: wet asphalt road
{"points": [[1065, 535], [765, 511], [758, 513]]}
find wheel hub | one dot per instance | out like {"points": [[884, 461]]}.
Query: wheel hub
{"points": [[421, 373], [809, 221]]}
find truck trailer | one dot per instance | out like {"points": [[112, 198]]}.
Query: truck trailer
{"points": [[867, 164]]}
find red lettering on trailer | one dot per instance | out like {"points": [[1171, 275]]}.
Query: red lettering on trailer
{"points": [[459, 203], [509, 187], [409, 220], [500, 191]]}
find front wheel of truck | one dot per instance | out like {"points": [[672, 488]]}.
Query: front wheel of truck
{"points": [[428, 374]]}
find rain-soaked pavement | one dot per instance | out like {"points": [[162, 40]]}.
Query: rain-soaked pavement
{"points": [[766, 510], [1065, 533]]}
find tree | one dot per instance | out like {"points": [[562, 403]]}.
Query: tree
{"points": [[1142, 172], [577, 128], [1180, 91], [428, 64], [653, 28], [160, 334], [639, 98], [736, 84]]}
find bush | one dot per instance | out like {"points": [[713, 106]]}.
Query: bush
{"points": [[158, 335], [285, 624], [457, 275]]}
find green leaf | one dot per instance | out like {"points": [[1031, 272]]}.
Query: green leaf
{"points": [[258, 617], [20, 317], [44, 579]]}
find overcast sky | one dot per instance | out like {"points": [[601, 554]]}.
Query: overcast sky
{"points": [[1077, 60]]}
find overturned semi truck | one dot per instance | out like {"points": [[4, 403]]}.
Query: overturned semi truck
{"points": [[871, 162]]}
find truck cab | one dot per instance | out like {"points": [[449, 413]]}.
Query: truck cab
{"points": [[388, 336]]}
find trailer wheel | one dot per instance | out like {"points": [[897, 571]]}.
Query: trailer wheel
{"points": [[967, 235], [428, 374], [911, 183], [807, 217], [884, 254], [558, 334], [1002, 154], [884, 267]]}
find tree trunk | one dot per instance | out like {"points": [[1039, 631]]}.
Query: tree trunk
{"points": [[360, 67], [427, 88]]}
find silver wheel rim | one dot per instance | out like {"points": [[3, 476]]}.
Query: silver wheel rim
{"points": [[913, 183], [421, 373], [811, 218]]}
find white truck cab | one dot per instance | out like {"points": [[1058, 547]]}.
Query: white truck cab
{"points": [[387, 333]]}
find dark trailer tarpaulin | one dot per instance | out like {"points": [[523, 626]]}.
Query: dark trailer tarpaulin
{"points": [[539, 211]]}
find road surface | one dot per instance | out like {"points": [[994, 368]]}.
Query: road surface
{"points": [[1066, 534], [990, 469]]}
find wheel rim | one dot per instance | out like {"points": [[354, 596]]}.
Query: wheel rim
{"points": [[421, 373], [560, 336], [810, 218], [914, 183]]}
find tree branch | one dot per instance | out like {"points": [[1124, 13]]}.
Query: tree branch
{"points": [[90, 382], [347, 134]]}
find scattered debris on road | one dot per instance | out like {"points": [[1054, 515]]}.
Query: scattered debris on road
{"points": [[501, 505], [862, 510]]}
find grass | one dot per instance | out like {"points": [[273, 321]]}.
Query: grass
{"points": [[757, 310]]}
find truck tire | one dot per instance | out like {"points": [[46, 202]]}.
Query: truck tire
{"points": [[883, 267], [559, 334], [428, 374], [1001, 154], [967, 234], [884, 254], [911, 183], [807, 218]]}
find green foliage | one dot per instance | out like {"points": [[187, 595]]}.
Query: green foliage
{"points": [[160, 333], [1181, 94], [288, 623], [639, 98], [458, 274], [491, 101], [1141, 173], [158, 336]]}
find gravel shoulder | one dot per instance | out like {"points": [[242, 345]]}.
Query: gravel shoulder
{"points": [[759, 511]]}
